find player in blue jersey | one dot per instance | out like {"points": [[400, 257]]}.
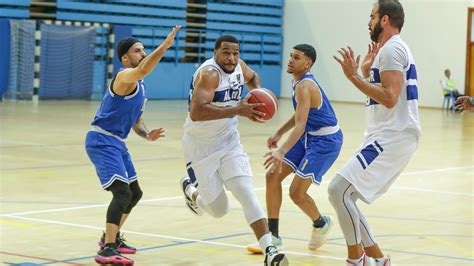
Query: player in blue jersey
{"points": [[119, 112], [312, 147]]}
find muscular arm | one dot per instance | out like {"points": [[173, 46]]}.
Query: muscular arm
{"points": [[200, 108], [385, 94], [303, 98], [252, 79]]}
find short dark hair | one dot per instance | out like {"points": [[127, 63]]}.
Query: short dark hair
{"points": [[394, 10], [226, 38], [124, 45], [308, 50]]}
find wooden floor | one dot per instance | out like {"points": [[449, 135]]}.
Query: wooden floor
{"points": [[53, 208]]}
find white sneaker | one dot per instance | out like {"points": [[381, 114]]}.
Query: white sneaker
{"points": [[255, 248], [363, 262], [192, 206], [319, 236], [273, 258], [383, 262]]}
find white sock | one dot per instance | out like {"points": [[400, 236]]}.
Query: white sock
{"points": [[200, 203], [380, 261], [265, 241], [356, 261], [190, 191]]}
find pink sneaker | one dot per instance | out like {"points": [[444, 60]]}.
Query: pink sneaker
{"points": [[109, 255]]}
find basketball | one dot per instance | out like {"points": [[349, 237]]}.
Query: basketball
{"points": [[266, 96]]}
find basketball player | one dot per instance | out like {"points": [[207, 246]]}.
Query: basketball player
{"points": [[213, 153], [392, 132], [311, 148], [119, 112]]}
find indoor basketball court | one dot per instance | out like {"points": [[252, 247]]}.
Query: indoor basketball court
{"points": [[53, 208]]}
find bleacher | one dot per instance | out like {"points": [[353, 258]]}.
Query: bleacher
{"points": [[257, 24], [14, 8]]}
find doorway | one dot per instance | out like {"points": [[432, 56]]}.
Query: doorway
{"points": [[469, 84]]}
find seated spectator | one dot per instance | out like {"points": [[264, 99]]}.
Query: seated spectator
{"points": [[448, 85]]}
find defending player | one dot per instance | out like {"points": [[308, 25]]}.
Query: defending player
{"points": [[311, 148], [119, 112]]}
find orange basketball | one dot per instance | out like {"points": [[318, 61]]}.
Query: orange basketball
{"points": [[262, 95]]}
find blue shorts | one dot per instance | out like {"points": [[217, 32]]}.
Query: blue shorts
{"points": [[111, 159], [312, 156]]}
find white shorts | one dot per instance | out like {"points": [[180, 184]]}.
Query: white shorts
{"points": [[378, 162], [213, 163]]}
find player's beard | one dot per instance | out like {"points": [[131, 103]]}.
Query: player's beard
{"points": [[375, 33]]}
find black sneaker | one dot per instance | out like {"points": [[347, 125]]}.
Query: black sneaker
{"points": [[122, 247], [273, 258], [185, 182]]}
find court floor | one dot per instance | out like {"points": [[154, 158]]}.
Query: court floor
{"points": [[53, 208]]}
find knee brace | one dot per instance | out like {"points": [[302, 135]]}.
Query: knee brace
{"points": [[137, 194], [219, 207], [242, 189], [122, 195]]}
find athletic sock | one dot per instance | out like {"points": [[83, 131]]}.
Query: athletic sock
{"points": [[320, 222], [265, 241], [273, 226], [356, 261]]}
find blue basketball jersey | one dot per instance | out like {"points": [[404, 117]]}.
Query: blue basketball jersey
{"points": [[321, 117], [117, 114]]}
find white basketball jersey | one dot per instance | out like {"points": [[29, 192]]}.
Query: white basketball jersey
{"points": [[228, 93], [403, 117]]}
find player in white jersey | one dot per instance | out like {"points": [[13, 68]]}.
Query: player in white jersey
{"points": [[213, 153], [393, 128]]}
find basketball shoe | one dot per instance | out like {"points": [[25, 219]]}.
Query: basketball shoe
{"points": [[319, 236]]}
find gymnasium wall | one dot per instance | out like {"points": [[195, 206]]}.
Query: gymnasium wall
{"points": [[257, 23], [434, 30]]}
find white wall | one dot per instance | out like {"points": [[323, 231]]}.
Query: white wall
{"points": [[434, 30]]}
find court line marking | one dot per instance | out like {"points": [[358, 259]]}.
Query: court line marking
{"points": [[207, 241], [167, 237], [39, 258], [263, 188]]}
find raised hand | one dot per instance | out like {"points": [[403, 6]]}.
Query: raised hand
{"points": [[369, 59], [155, 134], [348, 62], [168, 42]]}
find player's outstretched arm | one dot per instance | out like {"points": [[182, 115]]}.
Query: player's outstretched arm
{"points": [[201, 108], [142, 131], [251, 77], [131, 75]]}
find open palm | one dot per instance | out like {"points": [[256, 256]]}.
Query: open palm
{"points": [[369, 59]]}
